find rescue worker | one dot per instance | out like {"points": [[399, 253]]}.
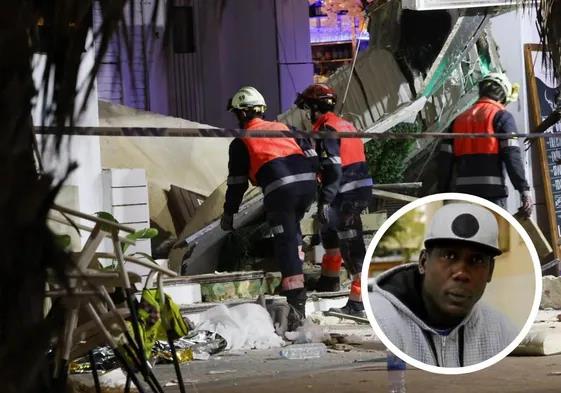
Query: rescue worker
{"points": [[480, 162], [345, 191], [288, 179]]}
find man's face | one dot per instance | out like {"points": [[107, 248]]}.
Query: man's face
{"points": [[454, 278]]}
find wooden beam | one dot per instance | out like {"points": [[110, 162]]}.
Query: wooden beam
{"points": [[535, 120]]}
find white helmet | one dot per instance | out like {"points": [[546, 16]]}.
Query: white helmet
{"points": [[247, 97], [511, 91], [466, 222]]}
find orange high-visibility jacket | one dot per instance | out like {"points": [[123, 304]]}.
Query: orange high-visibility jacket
{"points": [[351, 150], [263, 150], [477, 120]]}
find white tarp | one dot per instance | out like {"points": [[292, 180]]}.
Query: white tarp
{"points": [[233, 324]]}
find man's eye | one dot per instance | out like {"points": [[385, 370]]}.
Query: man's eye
{"points": [[449, 255], [478, 260]]}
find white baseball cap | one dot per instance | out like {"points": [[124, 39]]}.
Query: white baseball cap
{"points": [[465, 222]]}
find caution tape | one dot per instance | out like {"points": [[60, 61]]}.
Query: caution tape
{"points": [[236, 133]]}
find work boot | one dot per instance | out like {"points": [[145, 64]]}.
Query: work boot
{"points": [[328, 284], [296, 299], [353, 308]]}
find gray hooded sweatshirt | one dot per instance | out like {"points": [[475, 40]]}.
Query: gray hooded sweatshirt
{"points": [[398, 308]]}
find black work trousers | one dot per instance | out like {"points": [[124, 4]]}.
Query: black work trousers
{"points": [[344, 230], [284, 209]]}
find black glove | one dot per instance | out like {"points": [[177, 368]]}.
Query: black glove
{"points": [[526, 200], [227, 222], [323, 213]]}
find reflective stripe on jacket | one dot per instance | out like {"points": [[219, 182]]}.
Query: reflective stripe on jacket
{"points": [[351, 153], [479, 163], [264, 150]]}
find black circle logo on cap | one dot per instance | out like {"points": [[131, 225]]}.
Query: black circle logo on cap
{"points": [[465, 225]]}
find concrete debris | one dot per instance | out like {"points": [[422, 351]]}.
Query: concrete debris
{"points": [[551, 293], [214, 372], [544, 338], [201, 356], [232, 324], [341, 347], [350, 339], [307, 333], [346, 316], [321, 319], [198, 246], [304, 351], [110, 382]]}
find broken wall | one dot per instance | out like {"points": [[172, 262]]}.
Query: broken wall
{"points": [[197, 164]]}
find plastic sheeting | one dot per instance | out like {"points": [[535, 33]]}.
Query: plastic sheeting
{"points": [[246, 326]]}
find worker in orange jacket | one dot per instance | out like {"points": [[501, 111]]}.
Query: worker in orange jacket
{"points": [[288, 178], [345, 191], [479, 163]]}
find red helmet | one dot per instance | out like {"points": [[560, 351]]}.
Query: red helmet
{"points": [[316, 95]]}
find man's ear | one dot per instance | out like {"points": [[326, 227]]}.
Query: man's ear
{"points": [[423, 257], [491, 269]]}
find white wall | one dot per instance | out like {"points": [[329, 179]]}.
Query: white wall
{"points": [[511, 31], [85, 150]]}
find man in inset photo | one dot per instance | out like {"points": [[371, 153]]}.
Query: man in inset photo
{"points": [[431, 310]]}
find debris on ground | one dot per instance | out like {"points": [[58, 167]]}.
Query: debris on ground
{"points": [[304, 351], [104, 357], [246, 326], [346, 316], [309, 332], [197, 345], [214, 372], [111, 382], [320, 318]]}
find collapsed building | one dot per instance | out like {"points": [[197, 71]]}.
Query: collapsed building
{"points": [[420, 68]]}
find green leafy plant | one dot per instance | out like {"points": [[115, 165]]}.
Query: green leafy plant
{"points": [[386, 158], [63, 241]]}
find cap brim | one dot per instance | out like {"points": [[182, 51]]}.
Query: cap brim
{"points": [[491, 250]]}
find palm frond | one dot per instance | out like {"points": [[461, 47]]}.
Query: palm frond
{"points": [[548, 24], [61, 31]]}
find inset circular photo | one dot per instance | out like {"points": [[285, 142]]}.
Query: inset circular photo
{"points": [[453, 283]]}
